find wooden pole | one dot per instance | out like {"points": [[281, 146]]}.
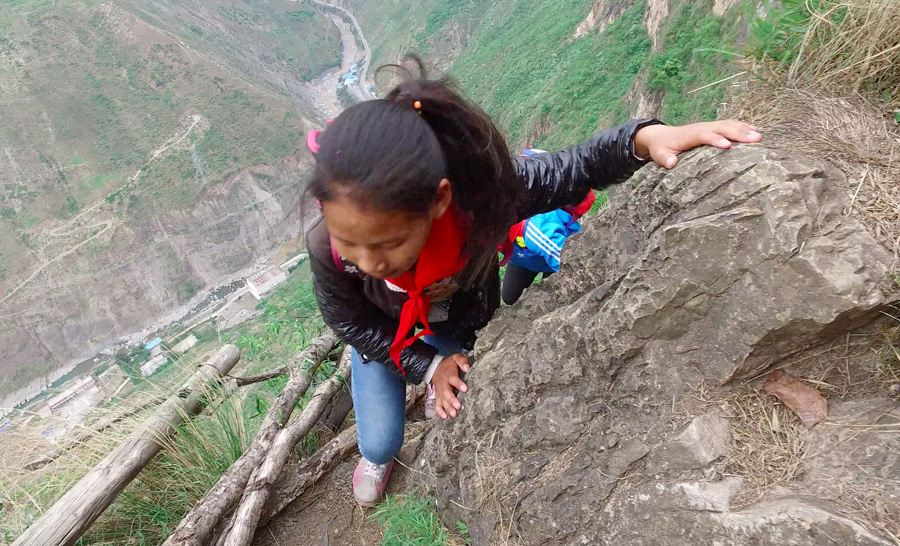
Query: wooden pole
{"points": [[340, 404], [65, 522], [310, 471], [246, 517], [198, 525], [277, 372], [259, 378]]}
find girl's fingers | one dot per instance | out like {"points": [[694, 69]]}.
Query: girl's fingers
{"points": [[738, 131], [446, 396], [462, 361], [713, 138], [718, 133], [459, 384], [664, 157], [447, 409], [670, 161]]}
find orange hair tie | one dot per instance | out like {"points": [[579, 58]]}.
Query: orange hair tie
{"points": [[417, 105]]}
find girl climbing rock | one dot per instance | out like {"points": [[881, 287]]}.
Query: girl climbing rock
{"points": [[417, 190]]}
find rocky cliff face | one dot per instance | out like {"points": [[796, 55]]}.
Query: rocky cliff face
{"points": [[618, 402]]}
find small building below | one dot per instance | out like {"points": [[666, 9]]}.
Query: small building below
{"points": [[185, 344], [262, 284], [155, 347], [115, 382], [87, 385], [149, 368]]}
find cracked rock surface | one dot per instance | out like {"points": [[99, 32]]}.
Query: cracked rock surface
{"points": [[708, 274]]}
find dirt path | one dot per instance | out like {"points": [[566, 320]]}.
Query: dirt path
{"points": [[303, 522]]}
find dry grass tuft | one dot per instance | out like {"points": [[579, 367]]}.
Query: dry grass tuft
{"points": [[494, 492], [851, 45], [769, 441]]}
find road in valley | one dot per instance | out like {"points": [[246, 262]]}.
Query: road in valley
{"points": [[359, 90]]}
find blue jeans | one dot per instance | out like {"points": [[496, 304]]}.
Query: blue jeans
{"points": [[379, 400]]}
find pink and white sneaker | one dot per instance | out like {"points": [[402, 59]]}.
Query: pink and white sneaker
{"points": [[370, 480], [430, 402]]}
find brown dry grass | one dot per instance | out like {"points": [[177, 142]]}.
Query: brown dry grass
{"points": [[494, 491], [850, 131], [836, 101], [769, 442], [851, 45]]}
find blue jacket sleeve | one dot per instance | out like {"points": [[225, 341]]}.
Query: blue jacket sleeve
{"points": [[545, 235]]}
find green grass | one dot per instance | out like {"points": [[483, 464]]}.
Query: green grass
{"points": [[410, 520], [539, 77], [521, 61], [690, 58]]}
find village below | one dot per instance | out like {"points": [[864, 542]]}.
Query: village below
{"points": [[63, 405]]}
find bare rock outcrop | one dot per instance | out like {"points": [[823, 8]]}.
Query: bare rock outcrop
{"points": [[705, 275]]}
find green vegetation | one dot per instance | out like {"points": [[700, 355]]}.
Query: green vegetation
{"points": [[97, 182], [573, 87], [692, 56], [290, 318], [202, 449], [547, 87], [838, 44], [189, 288], [239, 15], [347, 100], [410, 520]]}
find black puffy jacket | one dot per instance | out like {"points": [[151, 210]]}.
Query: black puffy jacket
{"points": [[365, 313]]}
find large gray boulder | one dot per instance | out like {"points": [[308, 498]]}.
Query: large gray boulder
{"points": [[709, 273]]}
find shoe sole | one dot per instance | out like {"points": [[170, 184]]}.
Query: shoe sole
{"points": [[365, 504]]}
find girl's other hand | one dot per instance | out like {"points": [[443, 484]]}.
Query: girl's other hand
{"points": [[663, 143], [444, 380]]}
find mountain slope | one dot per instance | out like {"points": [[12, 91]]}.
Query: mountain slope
{"points": [[138, 166], [553, 72]]}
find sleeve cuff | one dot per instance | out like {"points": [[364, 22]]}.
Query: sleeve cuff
{"points": [[640, 124], [430, 371]]}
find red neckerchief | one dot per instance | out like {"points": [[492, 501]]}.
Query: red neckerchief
{"points": [[441, 257]]}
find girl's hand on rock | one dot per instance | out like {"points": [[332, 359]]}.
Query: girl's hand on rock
{"points": [[662, 143], [444, 380]]}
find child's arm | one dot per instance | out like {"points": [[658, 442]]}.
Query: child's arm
{"points": [[559, 179], [355, 320]]}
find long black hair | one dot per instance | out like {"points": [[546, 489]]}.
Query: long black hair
{"points": [[391, 154]]}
